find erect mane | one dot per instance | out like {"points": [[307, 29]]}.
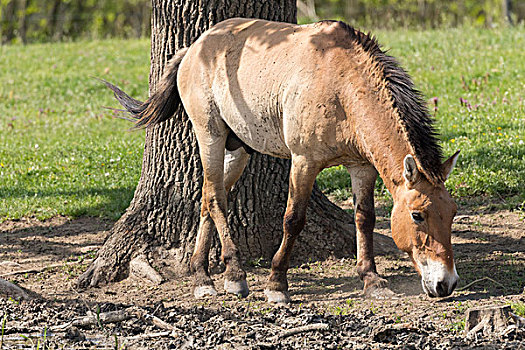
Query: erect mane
{"points": [[412, 113]]}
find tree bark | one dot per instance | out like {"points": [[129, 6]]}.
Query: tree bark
{"points": [[162, 220]]}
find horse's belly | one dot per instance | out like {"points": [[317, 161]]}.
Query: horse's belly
{"points": [[261, 132]]}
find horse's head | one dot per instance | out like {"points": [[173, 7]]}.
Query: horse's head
{"points": [[421, 226]]}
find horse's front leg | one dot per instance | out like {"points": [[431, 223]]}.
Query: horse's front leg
{"points": [[363, 183], [302, 178]]}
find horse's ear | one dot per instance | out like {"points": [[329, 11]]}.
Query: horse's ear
{"points": [[449, 164], [410, 172]]}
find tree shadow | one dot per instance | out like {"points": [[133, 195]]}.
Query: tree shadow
{"points": [[55, 239], [111, 203]]}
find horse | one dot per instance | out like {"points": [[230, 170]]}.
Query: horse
{"points": [[320, 94]]}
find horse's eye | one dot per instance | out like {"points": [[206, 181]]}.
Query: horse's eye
{"points": [[417, 217]]}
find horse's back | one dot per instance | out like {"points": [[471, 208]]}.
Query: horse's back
{"points": [[260, 77]]}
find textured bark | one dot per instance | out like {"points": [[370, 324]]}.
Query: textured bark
{"points": [[162, 219]]}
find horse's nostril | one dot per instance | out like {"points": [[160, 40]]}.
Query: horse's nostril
{"points": [[441, 289], [454, 286]]}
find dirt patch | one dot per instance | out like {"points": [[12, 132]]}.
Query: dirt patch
{"points": [[489, 244]]}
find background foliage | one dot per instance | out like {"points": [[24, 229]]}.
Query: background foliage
{"points": [[414, 13], [53, 20]]}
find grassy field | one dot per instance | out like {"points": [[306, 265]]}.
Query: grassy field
{"points": [[61, 153]]}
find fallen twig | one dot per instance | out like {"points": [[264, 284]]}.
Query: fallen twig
{"points": [[149, 336], [160, 323], [302, 329], [480, 280], [40, 269]]}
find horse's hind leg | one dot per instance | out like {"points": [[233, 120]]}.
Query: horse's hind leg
{"points": [[363, 183], [202, 283], [214, 210], [302, 178], [234, 164]]}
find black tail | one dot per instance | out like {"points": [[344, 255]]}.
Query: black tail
{"points": [[162, 105]]}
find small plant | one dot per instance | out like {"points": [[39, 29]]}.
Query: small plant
{"points": [[4, 321], [457, 326], [256, 262], [460, 308], [518, 308], [99, 323], [373, 309]]}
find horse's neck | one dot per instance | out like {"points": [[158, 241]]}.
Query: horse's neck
{"points": [[381, 141]]}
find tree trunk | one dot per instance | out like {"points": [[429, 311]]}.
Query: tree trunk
{"points": [[22, 25], [55, 31], [8, 22], [162, 220]]}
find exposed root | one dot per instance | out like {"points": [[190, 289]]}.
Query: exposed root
{"points": [[140, 267]]}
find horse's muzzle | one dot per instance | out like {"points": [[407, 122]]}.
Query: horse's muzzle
{"points": [[437, 281], [441, 289]]}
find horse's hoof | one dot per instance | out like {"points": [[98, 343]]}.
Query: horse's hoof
{"points": [[237, 287], [276, 296], [204, 291]]}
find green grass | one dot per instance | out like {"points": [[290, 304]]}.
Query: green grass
{"points": [[60, 151], [62, 154], [486, 69]]}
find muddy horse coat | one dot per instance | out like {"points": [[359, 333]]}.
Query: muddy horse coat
{"points": [[322, 94]]}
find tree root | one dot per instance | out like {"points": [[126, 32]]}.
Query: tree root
{"points": [[140, 268]]}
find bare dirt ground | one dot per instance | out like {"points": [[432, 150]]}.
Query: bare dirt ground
{"points": [[326, 295]]}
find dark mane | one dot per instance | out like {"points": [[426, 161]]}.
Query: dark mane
{"points": [[413, 113]]}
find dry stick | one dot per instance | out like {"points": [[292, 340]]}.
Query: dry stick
{"points": [[104, 317], [480, 280], [148, 336], [160, 323], [40, 269], [302, 329]]}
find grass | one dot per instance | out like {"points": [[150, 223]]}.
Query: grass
{"points": [[61, 153], [518, 308]]}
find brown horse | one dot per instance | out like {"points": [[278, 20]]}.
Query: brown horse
{"points": [[321, 94]]}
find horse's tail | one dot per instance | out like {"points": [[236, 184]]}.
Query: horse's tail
{"points": [[164, 102]]}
